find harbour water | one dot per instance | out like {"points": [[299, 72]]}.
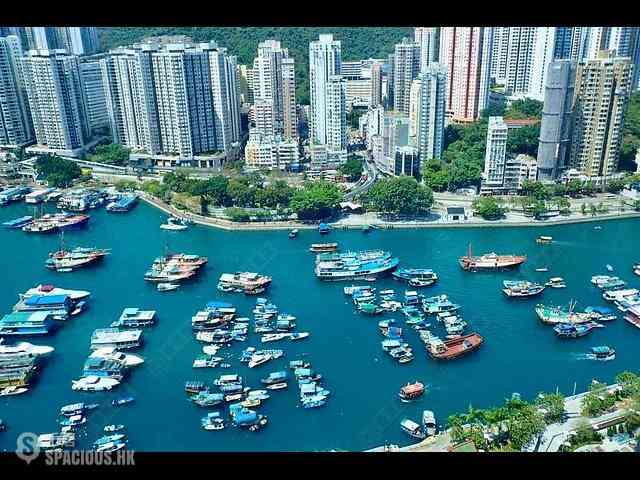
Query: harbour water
{"points": [[519, 354]]}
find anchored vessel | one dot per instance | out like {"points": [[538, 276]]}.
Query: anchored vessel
{"points": [[416, 277], [175, 267], [352, 265], [113, 337], [455, 347], [490, 261], [323, 247], [123, 204], [250, 283], [521, 288]]}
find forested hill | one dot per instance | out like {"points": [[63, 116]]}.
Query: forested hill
{"points": [[357, 42]]}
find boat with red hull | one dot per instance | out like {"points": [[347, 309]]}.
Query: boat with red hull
{"points": [[454, 348], [490, 261]]}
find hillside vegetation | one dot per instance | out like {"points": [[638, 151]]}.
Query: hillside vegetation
{"points": [[357, 42]]}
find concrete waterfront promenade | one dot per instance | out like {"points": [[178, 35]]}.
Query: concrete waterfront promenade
{"points": [[359, 221], [550, 440]]}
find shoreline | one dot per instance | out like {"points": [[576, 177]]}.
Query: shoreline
{"points": [[237, 226]]}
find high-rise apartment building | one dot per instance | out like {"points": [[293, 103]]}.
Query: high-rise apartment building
{"points": [[466, 53], [274, 84], [512, 58], [406, 66], [93, 84], [16, 128], [557, 116], [376, 84], [414, 109], [432, 112], [178, 100], [56, 101], [76, 40], [327, 120], [602, 90], [428, 40], [495, 155]]}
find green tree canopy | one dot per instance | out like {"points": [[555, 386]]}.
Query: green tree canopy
{"points": [[489, 208], [525, 108], [352, 168], [57, 171], [113, 154], [400, 195], [316, 200], [524, 140]]}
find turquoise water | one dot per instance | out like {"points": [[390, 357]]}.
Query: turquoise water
{"points": [[519, 354]]}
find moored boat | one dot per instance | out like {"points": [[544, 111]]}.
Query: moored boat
{"points": [[429, 425], [556, 282], [411, 391], [454, 348], [571, 330], [544, 240], [412, 428], [490, 261], [522, 288], [323, 247]]}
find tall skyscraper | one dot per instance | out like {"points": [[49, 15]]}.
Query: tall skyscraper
{"points": [[433, 95], [406, 66], [495, 154], [376, 84], [466, 53], [56, 100], [93, 85], [414, 109], [76, 40], [327, 121], [512, 57], [174, 99], [274, 85], [550, 43], [602, 90], [557, 116], [428, 39], [16, 128]]}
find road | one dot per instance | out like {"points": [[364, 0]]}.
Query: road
{"points": [[372, 176]]}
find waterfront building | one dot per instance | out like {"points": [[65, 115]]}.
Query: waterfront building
{"points": [[602, 90], [93, 84], [16, 128], [270, 152], [517, 170], [432, 111], [557, 116], [406, 66], [274, 86], [174, 103], [56, 101], [328, 121], [495, 155], [428, 40], [407, 162], [466, 53]]}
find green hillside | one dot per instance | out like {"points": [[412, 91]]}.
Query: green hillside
{"points": [[357, 42]]}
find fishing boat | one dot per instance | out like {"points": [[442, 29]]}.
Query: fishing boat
{"points": [[213, 421], [425, 275], [412, 428], [556, 282], [18, 222], [490, 261], [558, 314], [601, 314], [94, 383], [277, 386], [454, 348], [167, 287], [206, 361], [571, 330], [298, 335], [133, 317], [544, 240], [314, 401], [275, 377], [429, 423], [293, 233], [521, 288], [354, 265], [113, 428], [251, 402], [103, 367], [13, 390], [207, 399], [174, 224], [323, 247], [37, 196], [601, 353], [323, 229], [411, 391], [250, 283], [604, 282], [633, 316], [369, 309]]}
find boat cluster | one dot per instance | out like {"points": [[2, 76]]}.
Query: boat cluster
{"points": [[217, 324], [521, 288], [312, 393], [169, 269], [40, 309], [272, 324], [18, 364], [107, 366], [55, 222], [354, 265], [250, 283], [71, 419], [416, 277]]}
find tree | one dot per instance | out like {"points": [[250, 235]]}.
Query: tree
{"points": [[583, 209], [636, 205], [455, 423], [538, 209], [352, 168], [240, 194], [538, 190], [524, 425], [574, 187], [113, 154], [57, 171], [593, 209], [630, 383], [562, 204], [553, 403], [525, 108], [126, 186], [524, 140], [316, 200], [615, 185], [489, 208], [597, 401], [214, 189], [400, 195], [237, 214]]}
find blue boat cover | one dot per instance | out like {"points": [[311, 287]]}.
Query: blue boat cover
{"points": [[46, 300], [246, 417], [214, 304]]}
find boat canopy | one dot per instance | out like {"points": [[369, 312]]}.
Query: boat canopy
{"points": [[246, 417], [601, 310], [37, 300], [601, 349], [215, 305], [278, 375]]}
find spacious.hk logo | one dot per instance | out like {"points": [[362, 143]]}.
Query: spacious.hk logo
{"points": [[27, 447]]}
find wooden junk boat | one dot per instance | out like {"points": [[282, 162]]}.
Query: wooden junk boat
{"points": [[490, 261], [411, 391], [454, 348]]}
